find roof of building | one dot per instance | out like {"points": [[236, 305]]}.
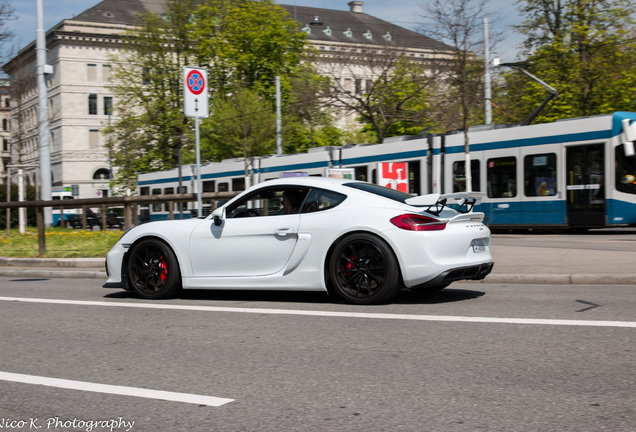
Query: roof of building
{"points": [[358, 27], [344, 26]]}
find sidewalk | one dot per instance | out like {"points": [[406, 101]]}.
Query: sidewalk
{"points": [[513, 265]]}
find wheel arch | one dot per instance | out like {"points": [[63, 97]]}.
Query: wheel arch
{"points": [[126, 257], [333, 245]]}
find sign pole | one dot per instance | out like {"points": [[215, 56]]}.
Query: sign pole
{"points": [[195, 104], [198, 170]]}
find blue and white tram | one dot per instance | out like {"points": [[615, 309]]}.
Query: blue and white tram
{"points": [[69, 213], [570, 174], [229, 175]]}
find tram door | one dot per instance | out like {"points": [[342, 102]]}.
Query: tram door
{"points": [[586, 185]]}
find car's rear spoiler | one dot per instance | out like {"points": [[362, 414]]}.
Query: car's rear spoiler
{"points": [[436, 202]]}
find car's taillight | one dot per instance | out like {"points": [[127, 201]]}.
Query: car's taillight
{"points": [[415, 222]]}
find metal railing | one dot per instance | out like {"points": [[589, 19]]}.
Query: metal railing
{"points": [[130, 204]]}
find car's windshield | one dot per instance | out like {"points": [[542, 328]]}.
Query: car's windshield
{"points": [[385, 192]]}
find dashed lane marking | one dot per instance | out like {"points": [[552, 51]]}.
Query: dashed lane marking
{"points": [[114, 389]]}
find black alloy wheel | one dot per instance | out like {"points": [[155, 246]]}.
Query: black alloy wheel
{"points": [[363, 270], [153, 270]]}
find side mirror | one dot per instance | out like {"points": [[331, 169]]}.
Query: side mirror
{"points": [[218, 215]]}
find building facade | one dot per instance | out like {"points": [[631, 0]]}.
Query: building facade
{"points": [[80, 51]]}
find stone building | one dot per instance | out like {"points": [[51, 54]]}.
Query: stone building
{"points": [[79, 50]]}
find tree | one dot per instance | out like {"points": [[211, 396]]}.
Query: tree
{"points": [[6, 14], [458, 23], [241, 124], [387, 92], [244, 44], [307, 118], [584, 49], [147, 84]]}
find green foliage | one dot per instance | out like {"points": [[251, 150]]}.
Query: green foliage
{"points": [[243, 44], [584, 50], [30, 196], [246, 43], [148, 89], [241, 125], [395, 96]]}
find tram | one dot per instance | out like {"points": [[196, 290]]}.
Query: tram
{"points": [[69, 213], [570, 174]]}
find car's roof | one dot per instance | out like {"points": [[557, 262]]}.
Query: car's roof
{"points": [[324, 182]]}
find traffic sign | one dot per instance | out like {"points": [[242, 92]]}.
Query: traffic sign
{"points": [[195, 92]]}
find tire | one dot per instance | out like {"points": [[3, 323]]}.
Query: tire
{"points": [[363, 270], [153, 270]]}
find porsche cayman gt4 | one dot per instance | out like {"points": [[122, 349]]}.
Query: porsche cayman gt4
{"points": [[357, 240]]}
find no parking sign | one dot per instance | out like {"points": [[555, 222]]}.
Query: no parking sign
{"points": [[195, 92]]}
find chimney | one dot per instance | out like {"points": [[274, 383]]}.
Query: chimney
{"points": [[356, 6]]}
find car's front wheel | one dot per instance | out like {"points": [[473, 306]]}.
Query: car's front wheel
{"points": [[153, 270], [363, 270]]}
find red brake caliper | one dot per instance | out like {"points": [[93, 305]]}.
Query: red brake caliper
{"points": [[350, 266], [164, 269]]}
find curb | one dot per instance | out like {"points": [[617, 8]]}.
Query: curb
{"points": [[574, 279], [51, 274], [53, 262]]}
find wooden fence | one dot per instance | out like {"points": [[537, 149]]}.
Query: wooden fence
{"points": [[130, 204]]}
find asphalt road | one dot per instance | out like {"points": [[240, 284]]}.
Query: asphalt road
{"points": [[477, 357]]}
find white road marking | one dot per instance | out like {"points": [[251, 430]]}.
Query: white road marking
{"points": [[113, 389], [489, 320]]}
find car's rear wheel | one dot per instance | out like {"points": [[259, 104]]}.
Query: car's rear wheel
{"points": [[153, 270], [363, 270]]}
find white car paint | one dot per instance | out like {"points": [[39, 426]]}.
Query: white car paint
{"points": [[291, 252]]}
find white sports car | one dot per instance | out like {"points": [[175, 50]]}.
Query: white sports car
{"points": [[358, 240]]}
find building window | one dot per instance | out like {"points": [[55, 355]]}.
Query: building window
{"points": [[5, 124], [108, 105], [101, 174], [93, 138], [106, 72], [92, 104], [91, 72], [5, 145]]}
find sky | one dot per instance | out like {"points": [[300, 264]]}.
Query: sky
{"points": [[405, 13]]}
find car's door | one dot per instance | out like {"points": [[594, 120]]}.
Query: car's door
{"points": [[256, 238]]}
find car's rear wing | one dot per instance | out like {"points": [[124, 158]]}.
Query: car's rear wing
{"points": [[436, 202]]}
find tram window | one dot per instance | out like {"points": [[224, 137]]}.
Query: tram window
{"points": [[223, 187], [184, 205], [502, 177], [208, 186], [238, 184], [459, 176], [540, 175], [144, 190], [157, 207], [361, 173], [415, 186], [625, 171]]}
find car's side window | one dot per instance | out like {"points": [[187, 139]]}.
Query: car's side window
{"points": [[321, 199], [268, 202]]}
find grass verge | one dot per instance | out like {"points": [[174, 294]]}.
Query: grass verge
{"points": [[60, 243]]}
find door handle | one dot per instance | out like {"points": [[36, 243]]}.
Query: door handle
{"points": [[282, 232]]}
